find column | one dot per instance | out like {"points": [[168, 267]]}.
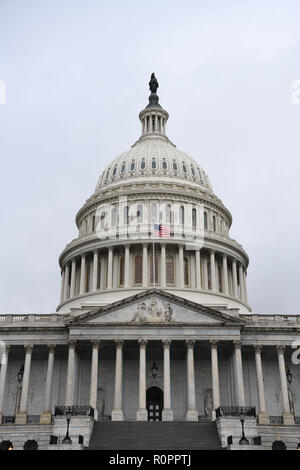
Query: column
{"points": [[181, 267], [73, 277], [288, 418], [239, 380], [225, 275], [82, 275], [163, 264], [215, 377], [234, 279], [94, 377], [241, 278], [62, 286], [21, 417], [46, 414], [245, 286], [69, 396], [197, 269], [167, 413], [95, 270], [192, 413], [263, 417], [117, 412], [145, 265], [3, 373], [126, 267], [213, 271], [142, 414], [110, 267], [205, 272], [67, 276]]}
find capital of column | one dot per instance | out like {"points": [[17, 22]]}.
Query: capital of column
{"points": [[257, 348], [95, 343], [142, 342], [237, 344], [119, 343], [214, 343], [190, 343], [145, 245], [280, 348], [28, 348], [72, 343], [51, 347], [166, 343], [7, 348]]}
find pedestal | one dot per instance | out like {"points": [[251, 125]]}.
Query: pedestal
{"points": [[263, 418], [46, 417], [117, 415], [142, 414], [288, 419], [167, 415], [21, 417], [191, 415]]}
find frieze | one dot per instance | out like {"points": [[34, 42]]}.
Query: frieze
{"points": [[151, 312]]}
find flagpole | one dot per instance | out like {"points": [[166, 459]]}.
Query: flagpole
{"points": [[153, 264]]}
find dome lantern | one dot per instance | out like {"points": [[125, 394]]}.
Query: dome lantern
{"points": [[153, 117]]}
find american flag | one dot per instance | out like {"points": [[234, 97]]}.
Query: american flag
{"points": [[161, 231]]}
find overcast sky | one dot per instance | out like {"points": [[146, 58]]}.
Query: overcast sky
{"points": [[76, 76]]}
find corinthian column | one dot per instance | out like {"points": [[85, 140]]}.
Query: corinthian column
{"points": [[142, 414], [215, 377], [145, 264], [197, 268], [94, 378], [213, 271], [3, 373], [239, 380], [263, 418], [82, 275], [234, 279], [288, 418], [21, 417], [163, 265], [110, 268], [95, 270], [117, 412], [69, 397], [46, 414], [192, 413], [181, 267], [73, 276], [126, 267], [225, 275], [167, 413]]}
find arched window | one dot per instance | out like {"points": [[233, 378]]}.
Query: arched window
{"points": [[153, 164], [220, 278], [93, 223], [154, 213], [170, 269], [156, 269], [194, 217], [139, 214], [113, 216], [181, 215], [138, 269], [209, 275], [143, 165], [121, 273], [184, 169], [175, 167], [168, 214], [132, 166], [186, 271], [193, 171], [205, 220], [214, 223], [164, 165], [123, 168], [99, 274], [115, 171], [88, 276], [126, 215]]}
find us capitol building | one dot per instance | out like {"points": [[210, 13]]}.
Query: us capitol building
{"points": [[153, 323]]}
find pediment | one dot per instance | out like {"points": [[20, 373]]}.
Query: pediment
{"points": [[155, 307]]}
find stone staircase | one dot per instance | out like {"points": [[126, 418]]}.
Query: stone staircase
{"points": [[156, 435]]}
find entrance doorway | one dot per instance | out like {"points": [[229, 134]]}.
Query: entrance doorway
{"points": [[154, 398]]}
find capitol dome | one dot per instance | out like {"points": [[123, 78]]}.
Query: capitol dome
{"points": [[153, 222]]}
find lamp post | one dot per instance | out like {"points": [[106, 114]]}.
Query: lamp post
{"points": [[243, 441], [67, 439]]}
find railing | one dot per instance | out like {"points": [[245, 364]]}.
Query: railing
{"points": [[271, 319], [33, 419], [74, 411], [276, 419], [8, 419], [239, 411], [51, 317]]}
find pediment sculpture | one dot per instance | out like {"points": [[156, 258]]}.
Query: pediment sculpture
{"points": [[153, 312]]}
